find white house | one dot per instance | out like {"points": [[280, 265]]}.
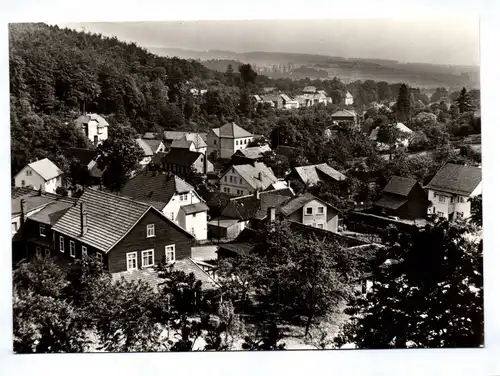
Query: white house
{"points": [[94, 126], [175, 198], [43, 173], [224, 141], [150, 148], [451, 188], [349, 99], [240, 180], [403, 140]]}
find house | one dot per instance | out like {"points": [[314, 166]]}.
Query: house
{"points": [[248, 211], [309, 89], [349, 99], [125, 234], [42, 173], [175, 198], [246, 179], [250, 155], [198, 92], [149, 136], [345, 117], [313, 174], [307, 100], [310, 210], [88, 158], [451, 188], [94, 126], [286, 102], [150, 147], [404, 198], [181, 161], [223, 142], [191, 142], [403, 140], [37, 235]]}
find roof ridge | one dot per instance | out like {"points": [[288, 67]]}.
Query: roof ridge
{"points": [[125, 198]]}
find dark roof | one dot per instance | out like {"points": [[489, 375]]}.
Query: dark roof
{"points": [[243, 249], [400, 186], [194, 208], [32, 200], [155, 187], [84, 156], [248, 207], [51, 213], [109, 219], [181, 157], [312, 174], [217, 199], [299, 201], [456, 179], [390, 201]]}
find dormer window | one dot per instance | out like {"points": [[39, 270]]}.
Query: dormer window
{"points": [[184, 197], [150, 231], [28, 172]]}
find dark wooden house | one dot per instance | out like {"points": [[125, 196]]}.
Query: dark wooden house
{"points": [[125, 234], [404, 198]]}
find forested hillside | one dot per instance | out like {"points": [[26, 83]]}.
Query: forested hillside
{"points": [[56, 73]]}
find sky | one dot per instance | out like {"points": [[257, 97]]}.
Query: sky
{"points": [[439, 40]]}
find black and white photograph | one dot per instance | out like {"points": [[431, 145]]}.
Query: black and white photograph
{"points": [[245, 185]]}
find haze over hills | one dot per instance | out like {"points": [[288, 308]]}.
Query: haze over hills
{"points": [[347, 69]]}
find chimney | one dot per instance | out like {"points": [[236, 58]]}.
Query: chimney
{"points": [[259, 176], [83, 218], [271, 214], [22, 211]]}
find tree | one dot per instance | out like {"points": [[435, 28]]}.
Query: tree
{"points": [[245, 106], [476, 209], [390, 135], [438, 94], [248, 75], [463, 102], [403, 103], [229, 75], [118, 156], [430, 296]]}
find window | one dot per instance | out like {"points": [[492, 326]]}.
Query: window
{"points": [[14, 226], [28, 172], [98, 256], [321, 210], [38, 252], [170, 253], [192, 230], [237, 142], [148, 258], [435, 194], [215, 142], [72, 250], [241, 181], [225, 178], [321, 225], [309, 211], [131, 261], [150, 231], [460, 199], [230, 179], [171, 216], [460, 215], [23, 183], [61, 244], [440, 214], [99, 130], [194, 215], [47, 252], [442, 199], [84, 251], [42, 230]]}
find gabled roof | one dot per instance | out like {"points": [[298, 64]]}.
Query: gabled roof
{"points": [[149, 136], [231, 130], [248, 207], [32, 199], [309, 174], [194, 208], [298, 202], [149, 146], [254, 152], [85, 119], [51, 213], [173, 135], [154, 186], [251, 175], [310, 89], [46, 169], [109, 219], [180, 157], [187, 139], [344, 113], [456, 179], [391, 201], [399, 185], [286, 98]]}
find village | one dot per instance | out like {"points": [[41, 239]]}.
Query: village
{"points": [[212, 202]]}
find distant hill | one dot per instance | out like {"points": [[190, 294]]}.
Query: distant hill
{"points": [[347, 69]]}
